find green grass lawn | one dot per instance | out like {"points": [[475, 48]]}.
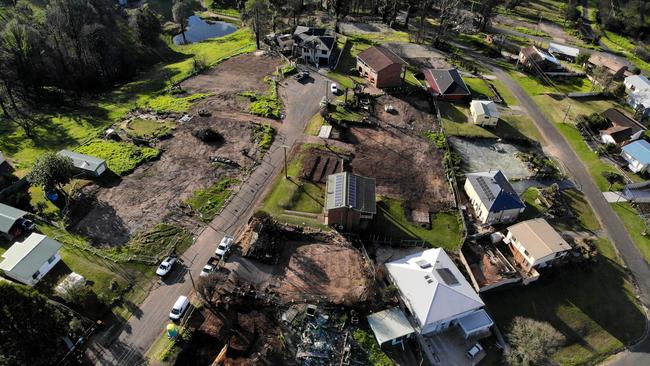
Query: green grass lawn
{"points": [[533, 209], [314, 125], [479, 88], [293, 194], [391, 221], [68, 127], [624, 46], [635, 226], [121, 157], [534, 86], [504, 92], [455, 121], [208, 202], [343, 114], [149, 128]]}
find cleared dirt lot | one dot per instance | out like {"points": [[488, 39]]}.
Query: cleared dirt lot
{"points": [[399, 158], [156, 191], [334, 272], [481, 155], [419, 55]]}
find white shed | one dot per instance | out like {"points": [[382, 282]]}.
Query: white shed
{"points": [[85, 163], [484, 113]]}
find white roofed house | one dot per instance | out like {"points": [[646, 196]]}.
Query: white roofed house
{"points": [[314, 45], [13, 222], [563, 52], [86, 164], [492, 197], [484, 112], [28, 261], [640, 101], [636, 83], [436, 294]]}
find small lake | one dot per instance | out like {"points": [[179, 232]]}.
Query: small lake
{"points": [[199, 30]]}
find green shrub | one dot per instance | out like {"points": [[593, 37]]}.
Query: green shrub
{"points": [[209, 201], [264, 135], [376, 357], [438, 139], [121, 157]]}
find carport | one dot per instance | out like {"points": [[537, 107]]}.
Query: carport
{"points": [[390, 325], [8, 217], [475, 323]]}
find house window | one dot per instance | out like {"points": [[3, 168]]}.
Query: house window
{"points": [[52, 258], [36, 274], [526, 253]]}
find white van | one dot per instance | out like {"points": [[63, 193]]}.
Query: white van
{"points": [[180, 306]]}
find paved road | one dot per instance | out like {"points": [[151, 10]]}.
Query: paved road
{"points": [[610, 221], [147, 324]]}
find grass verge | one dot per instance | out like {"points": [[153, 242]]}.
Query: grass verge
{"points": [[635, 226], [149, 128]]}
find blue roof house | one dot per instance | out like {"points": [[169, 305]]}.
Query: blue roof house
{"points": [[637, 155], [492, 197]]}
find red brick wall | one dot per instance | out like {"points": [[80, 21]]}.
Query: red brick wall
{"points": [[390, 76]]}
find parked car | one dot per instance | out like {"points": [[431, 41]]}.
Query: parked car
{"points": [[334, 88], [179, 308], [210, 267], [475, 350], [224, 246], [166, 266]]}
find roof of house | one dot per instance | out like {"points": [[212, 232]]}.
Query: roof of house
{"points": [[639, 150], [447, 81], [563, 50], [317, 38], [389, 324], [433, 286], [30, 254], [639, 97], [539, 55], [618, 118], [639, 82], [637, 192], [8, 216], [352, 191], [495, 191], [608, 62], [486, 107], [618, 133], [379, 58], [539, 238], [83, 161]]}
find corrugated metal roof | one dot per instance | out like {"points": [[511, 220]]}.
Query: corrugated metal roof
{"points": [[8, 216], [639, 150], [495, 191], [539, 238], [83, 161], [349, 190], [26, 257], [379, 58], [562, 49], [389, 324], [447, 81]]}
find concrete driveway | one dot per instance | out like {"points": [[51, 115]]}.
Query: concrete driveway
{"points": [[301, 102]]}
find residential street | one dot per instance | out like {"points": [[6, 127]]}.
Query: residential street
{"points": [[301, 101], [610, 221]]}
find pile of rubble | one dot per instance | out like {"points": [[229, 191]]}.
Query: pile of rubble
{"points": [[260, 240]]}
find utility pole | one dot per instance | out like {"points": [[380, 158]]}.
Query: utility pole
{"points": [[286, 173], [567, 113]]}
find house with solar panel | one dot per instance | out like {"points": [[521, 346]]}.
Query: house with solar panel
{"points": [[492, 197], [437, 295], [349, 200]]}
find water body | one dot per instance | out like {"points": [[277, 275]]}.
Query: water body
{"points": [[199, 30]]}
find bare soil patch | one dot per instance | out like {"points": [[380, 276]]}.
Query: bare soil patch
{"points": [[335, 273], [420, 56], [238, 74], [319, 164], [401, 160], [155, 192]]}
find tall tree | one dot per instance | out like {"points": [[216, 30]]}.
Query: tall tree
{"points": [[533, 342], [484, 12], [448, 10], [145, 24], [31, 328], [181, 11], [51, 172], [257, 14]]}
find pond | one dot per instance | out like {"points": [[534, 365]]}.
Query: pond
{"points": [[199, 30]]}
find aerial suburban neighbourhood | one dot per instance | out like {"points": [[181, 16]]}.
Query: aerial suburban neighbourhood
{"points": [[324, 182]]}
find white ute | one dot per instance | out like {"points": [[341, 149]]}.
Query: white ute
{"points": [[166, 266], [224, 246]]}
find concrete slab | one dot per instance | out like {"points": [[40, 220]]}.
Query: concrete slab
{"points": [[613, 197]]}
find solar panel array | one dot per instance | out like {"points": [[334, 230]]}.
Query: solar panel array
{"points": [[352, 191], [338, 190], [486, 190], [447, 277]]}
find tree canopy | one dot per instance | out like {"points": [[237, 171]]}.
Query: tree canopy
{"points": [[533, 342], [51, 171], [31, 328]]}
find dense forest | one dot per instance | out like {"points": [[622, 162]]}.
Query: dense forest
{"points": [[627, 17]]}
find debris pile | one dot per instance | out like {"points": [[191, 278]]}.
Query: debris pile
{"points": [[260, 240]]}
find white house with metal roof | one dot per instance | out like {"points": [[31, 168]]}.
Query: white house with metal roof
{"points": [[28, 261], [484, 112], [437, 295], [90, 165], [349, 199], [8, 218], [637, 155], [535, 244], [492, 197], [636, 83], [562, 51]]}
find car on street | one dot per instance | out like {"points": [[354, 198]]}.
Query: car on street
{"points": [[179, 308], [209, 267], [475, 350], [166, 266], [224, 246], [334, 88]]}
